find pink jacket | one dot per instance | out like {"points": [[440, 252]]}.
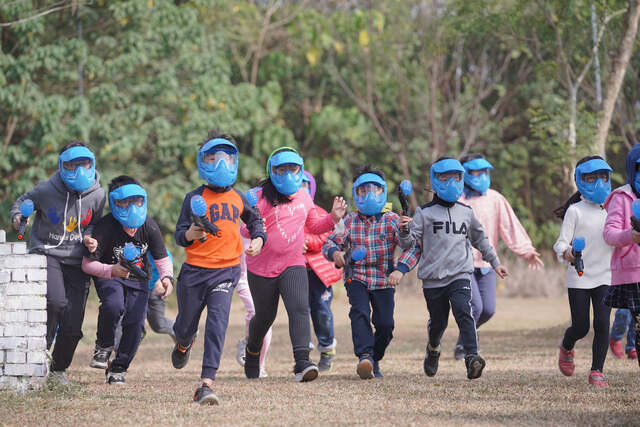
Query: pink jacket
{"points": [[324, 269], [285, 233], [625, 261], [498, 219]]}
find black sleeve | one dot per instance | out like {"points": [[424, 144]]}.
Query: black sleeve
{"points": [[156, 243], [184, 222], [101, 233], [251, 217]]}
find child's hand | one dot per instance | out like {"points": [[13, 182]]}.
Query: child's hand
{"points": [[394, 278], [194, 233], [339, 209], [338, 258], [119, 271], [254, 247], [16, 221], [405, 220], [534, 261], [636, 236], [166, 287], [501, 271], [159, 287], [90, 243], [568, 255]]}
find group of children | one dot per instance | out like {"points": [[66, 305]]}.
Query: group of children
{"points": [[295, 251]]}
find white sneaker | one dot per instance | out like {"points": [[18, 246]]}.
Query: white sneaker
{"points": [[60, 377], [311, 346], [263, 373], [240, 354]]}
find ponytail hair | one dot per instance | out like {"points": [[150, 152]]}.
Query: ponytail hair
{"points": [[575, 197]]}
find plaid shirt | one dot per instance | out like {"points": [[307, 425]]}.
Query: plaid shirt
{"points": [[379, 235]]}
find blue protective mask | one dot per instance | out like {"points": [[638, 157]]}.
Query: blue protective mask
{"points": [[79, 179], [370, 204], [288, 183], [597, 191], [449, 190], [221, 173], [479, 183], [636, 183], [133, 216]]}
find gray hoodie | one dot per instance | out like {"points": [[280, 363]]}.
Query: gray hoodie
{"points": [[446, 232], [62, 218]]}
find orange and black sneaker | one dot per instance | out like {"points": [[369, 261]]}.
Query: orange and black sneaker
{"points": [[205, 396], [180, 355]]}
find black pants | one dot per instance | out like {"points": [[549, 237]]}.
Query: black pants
{"points": [[293, 285], [67, 291], [579, 302], [457, 296]]}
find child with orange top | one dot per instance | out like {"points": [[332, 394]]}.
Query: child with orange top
{"points": [[212, 266]]}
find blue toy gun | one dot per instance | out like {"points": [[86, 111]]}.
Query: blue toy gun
{"points": [[404, 191], [130, 254], [352, 256], [577, 246], [26, 209], [199, 217]]}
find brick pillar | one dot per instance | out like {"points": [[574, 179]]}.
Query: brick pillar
{"points": [[23, 317]]}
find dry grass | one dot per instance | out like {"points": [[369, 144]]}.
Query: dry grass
{"points": [[521, 384]]}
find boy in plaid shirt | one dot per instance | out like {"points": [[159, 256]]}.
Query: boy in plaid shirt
{"points": [[371, 286]]}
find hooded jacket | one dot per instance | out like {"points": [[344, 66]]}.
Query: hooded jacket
{"points": [[62, 218], [625, 261]]}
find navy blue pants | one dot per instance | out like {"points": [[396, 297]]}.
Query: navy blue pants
{"points": [[196, 289], [457, 297], [366, 307], [320, 298], [127, 299], [483, 297]]}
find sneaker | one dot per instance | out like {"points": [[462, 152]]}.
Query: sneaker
{"points": [[100, 357], [59, 377], [616, 348], [311, 346], [305, 371], [376, 369], [365, 367], [263, 373], [240, 354], [180, 355], [326, 360], [252, 364], [597, 379], [205, 396], [565, 362], [475, 364], [458, 352], [114, 378], [430, 364], [632, 354]]}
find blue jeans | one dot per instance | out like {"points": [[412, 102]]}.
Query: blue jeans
{"points": [[623, 324], [320, 298]]}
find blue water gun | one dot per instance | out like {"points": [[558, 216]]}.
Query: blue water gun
{"points": [[130, 255], [577, 246], [199, 217], [404, 191], [26, 209]]}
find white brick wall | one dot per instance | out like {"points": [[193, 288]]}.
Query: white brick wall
{"points": [[23, 316]]}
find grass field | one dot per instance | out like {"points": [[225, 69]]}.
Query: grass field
{"points": [[520, 385]]}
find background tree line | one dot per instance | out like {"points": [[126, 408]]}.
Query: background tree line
{"points": [[395, 83]]}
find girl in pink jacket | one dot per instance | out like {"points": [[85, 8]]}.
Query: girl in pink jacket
{"points": [[498, 220], [279, 269], [624, 291]]}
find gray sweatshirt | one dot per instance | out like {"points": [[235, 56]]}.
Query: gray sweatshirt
{"points": [[62, 218], [446, 232]]}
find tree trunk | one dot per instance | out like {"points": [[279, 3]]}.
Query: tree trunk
{"points": [[617, 76], [573, 115]]}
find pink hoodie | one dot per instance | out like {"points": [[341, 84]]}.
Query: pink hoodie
{"points": [[498, 219], [625, 261], [285, 233]]}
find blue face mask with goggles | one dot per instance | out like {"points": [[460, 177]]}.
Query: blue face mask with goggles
{"points": [[481, 182], [78, 178], [451, 189], [598, 190], [218, 162], [287, 183], [370, 203], [135, 213]]}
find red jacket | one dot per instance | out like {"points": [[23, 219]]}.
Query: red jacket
{"points": [[324, 269]]}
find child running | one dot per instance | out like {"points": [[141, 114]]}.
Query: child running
{"points": [[498, 220], [583, 216], [212, 267], [124, 294], [624, 291], [623, 324], [371, 287], [447, 230], [280, 270], [67, 208]]}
